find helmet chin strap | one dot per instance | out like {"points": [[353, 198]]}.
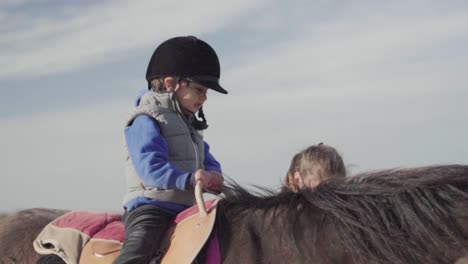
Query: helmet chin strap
{"points": [[200, 124], [197, 124]]}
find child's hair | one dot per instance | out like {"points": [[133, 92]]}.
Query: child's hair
{"points": [[317, 162], [157, 85]]}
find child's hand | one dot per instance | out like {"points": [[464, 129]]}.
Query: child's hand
{"points": [[211, 180]]}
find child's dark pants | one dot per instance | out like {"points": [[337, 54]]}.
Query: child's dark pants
{"points": [[144, 230]]}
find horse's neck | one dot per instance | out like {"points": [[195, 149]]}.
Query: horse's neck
{"points": [[251, 240], [274, 237]]}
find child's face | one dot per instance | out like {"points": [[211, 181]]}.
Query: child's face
{"points": [[191, 96]]}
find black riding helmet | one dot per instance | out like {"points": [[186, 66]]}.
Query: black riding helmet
{"points": [[189, 58]]}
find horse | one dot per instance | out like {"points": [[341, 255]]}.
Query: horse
{"points": [[409, 215]]}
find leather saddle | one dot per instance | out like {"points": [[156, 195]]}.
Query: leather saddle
{"points": [[188, 234], [182, 242]]}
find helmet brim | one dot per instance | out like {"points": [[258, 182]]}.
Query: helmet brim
{"points": [[209, 83]]}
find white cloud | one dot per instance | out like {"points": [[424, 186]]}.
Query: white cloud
{"points": [[68, 41], [387, 88], [351, 47], [12, 3]]}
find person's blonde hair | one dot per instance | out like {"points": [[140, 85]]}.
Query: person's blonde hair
{"points": [[317, 162], [157, 85]]}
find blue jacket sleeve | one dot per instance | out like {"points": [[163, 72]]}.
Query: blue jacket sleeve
{"points": [[149, 154], [211, 164]]}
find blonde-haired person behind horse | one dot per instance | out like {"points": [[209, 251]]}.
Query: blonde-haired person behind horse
{"points": [[313, 165]]}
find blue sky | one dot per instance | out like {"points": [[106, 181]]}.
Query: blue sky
{"points": [[384, 83]]}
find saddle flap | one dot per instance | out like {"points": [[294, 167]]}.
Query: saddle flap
{"points": [[187, 238], [104, 247], [100, 251]]}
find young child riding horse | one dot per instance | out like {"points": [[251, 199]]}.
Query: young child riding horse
{"points": [[165, 147]]}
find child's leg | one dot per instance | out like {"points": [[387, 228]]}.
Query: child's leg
{"points": [[144, 230]]}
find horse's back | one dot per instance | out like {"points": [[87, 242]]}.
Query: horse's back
{"points": [[18, 231]]}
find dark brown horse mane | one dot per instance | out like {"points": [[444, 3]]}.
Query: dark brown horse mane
{"points": [[388, 216]]}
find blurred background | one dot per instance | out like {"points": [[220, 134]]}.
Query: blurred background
{"points": [[384, 82]]}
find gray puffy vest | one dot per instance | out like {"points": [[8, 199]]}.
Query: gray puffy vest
{"points": [[185, 144]]}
